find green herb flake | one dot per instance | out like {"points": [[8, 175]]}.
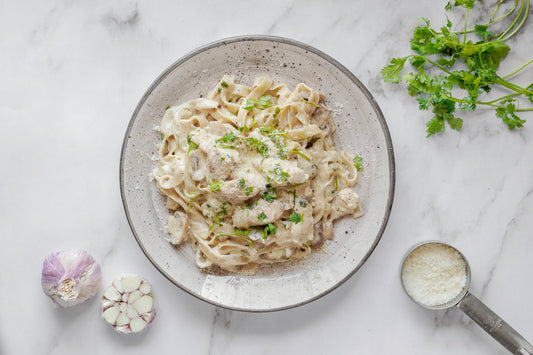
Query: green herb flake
{"points": [[167, 108], [295, 217], [269, 194], [224, 84], [358, 162], [309, 103], [230, 137], [303, 203], [262, 217], [162, 135], [215, 185], [241, 182], [248, 190], [262, 103], [191, 144], [276, 111], [270, 229]]}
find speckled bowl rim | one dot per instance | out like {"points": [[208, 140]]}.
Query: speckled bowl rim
{"points": [[341, 68]]}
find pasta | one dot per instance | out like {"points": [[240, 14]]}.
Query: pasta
{"points": [[251, 175]]}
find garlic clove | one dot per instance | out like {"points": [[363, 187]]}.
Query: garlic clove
{"points": [[134, 296], [70, 277], [111, 314], [130, 283], [112, 294], [144, 304], [137, 324], [128, 304]]}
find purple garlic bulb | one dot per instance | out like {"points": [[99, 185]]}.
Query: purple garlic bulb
{"points": [[70, 277]]}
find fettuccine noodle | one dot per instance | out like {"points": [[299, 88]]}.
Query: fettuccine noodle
{"points": [[251, 174]]}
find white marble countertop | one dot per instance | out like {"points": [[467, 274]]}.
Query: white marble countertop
{"points": [[71, 76]]}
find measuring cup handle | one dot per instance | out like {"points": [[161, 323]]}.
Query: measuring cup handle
{"points": [[494, 325]]}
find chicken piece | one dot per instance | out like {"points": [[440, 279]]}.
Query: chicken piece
{"points": [[284, 172], [235, 194], [263, 213], [221, 162], [346, 202], [178, 227]]}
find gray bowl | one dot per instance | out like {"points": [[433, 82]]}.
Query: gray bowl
{"points": [[361, 129]]}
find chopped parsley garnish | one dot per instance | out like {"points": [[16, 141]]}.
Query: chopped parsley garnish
{"points": [[162, 135], [247, 128], [358, 162], [276, 111], [248, 190], [191, 144], [230, 137], [249, 207], [219, 90], [257, 145], [269, 194], [215, 185], [297, 151], [241, 182], [310, 103], [243, 234], [167, 107], [262, 103], [224, 84], [303, 204], [279, 175], [295, 217], [262, 217], [270, 229]]}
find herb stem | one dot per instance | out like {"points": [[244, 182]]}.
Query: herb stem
{"points": [[517, 70]]}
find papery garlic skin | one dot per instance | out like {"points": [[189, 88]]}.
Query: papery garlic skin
{"points": [[70, 277]]}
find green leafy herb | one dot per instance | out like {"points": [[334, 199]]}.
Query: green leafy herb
{"points": [[452, 72], [277, 174], [297, 151], [295, 217], [219, 90], [276, 111], [262, 217], [241, 182], [191, 144], [262, 103], [258, 146], [239, 233], [162, 135], [270, 229], [215, 185], [248, 190], [303, 203], [166, 108], [230, 137], [358, 162], [310, 103], [269, 194], [224, 84]]}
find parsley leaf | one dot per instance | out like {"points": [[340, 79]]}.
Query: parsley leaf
{"points": [[269, 194], [241, 182], [191, 144], [270, 229], [452, 71], [230, 137], [295, 217], [215, 185], [262, 103], [262, 217], [358, 162]]}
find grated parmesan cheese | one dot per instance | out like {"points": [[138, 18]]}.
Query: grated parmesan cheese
{"points": [[434, 274]]}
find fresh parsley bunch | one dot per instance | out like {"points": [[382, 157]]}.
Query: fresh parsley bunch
{"points": [[462, 66]]}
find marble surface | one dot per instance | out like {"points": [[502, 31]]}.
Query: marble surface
{"points": [[71, 75]]}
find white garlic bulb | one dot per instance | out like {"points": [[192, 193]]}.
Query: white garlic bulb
{"points": [[70, 277]]}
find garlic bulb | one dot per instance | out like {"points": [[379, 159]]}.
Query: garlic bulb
{"points": [[70, 277], [128, 304]]}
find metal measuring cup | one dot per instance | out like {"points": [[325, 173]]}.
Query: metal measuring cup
{"points": [[477, 311]]}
